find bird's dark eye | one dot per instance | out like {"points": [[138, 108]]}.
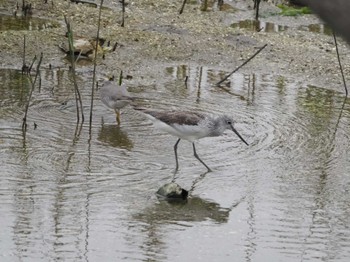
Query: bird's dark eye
{"points": [[229, 122]]}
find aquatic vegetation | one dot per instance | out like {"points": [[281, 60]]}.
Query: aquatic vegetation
{"points": [[293, 11]]}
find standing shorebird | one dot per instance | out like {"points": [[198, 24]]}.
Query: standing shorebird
{"points": [[115, 97], [190, 126]]}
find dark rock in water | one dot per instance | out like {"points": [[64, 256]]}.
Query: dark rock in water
{"points": [[172, 191]]}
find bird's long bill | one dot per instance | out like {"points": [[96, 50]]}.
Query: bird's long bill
{"points": [[236, 132]]}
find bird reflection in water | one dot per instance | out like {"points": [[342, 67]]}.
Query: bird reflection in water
{"points": [[194, 209], [114, 136]]}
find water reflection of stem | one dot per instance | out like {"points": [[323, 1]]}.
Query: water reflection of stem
{"points": [[77, 132], [340, 66], [233, 94], [199, 83], [320, 202], [195, 182], [31, 65], [95, 65], [251, 89], [24, 55], [225, 78], [338, 121], [87, 226]]}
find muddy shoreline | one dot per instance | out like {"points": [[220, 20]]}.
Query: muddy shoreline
{"points": [[155, 35]]}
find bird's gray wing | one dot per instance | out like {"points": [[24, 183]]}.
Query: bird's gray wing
{"points": [[176, 117]]}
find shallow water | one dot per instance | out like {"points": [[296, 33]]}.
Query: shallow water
{"points": [[10, 22], [66, 197]]}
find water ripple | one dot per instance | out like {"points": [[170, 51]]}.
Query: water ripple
{"points": [[285, 196]]}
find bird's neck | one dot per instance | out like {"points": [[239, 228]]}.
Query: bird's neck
{"points": [[215, 128]]}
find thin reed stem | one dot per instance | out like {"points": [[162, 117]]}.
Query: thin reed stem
{"points": [[123, 13], [182, 7], [225, 78], [78, 99], [32, 82]]}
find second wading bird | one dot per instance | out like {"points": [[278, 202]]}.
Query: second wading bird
{"points": [[115, 97], [190, 126]]}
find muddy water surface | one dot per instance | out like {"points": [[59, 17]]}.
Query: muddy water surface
{"points": [[283, 198], [9, 22]]}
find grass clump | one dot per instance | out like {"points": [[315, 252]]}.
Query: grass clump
{"points": [[293, 11]]}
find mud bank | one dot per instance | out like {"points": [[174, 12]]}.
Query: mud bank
{"points": [[155, 35]]}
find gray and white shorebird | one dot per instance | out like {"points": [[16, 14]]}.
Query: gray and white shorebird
{"points": [[115, 97], [190, 126]]}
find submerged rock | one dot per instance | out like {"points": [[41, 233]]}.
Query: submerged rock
{"points": [[172, 191]]}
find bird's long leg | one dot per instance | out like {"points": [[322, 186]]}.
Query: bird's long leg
{"points": [[117, 113], [175, 150], [200, 160]]}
